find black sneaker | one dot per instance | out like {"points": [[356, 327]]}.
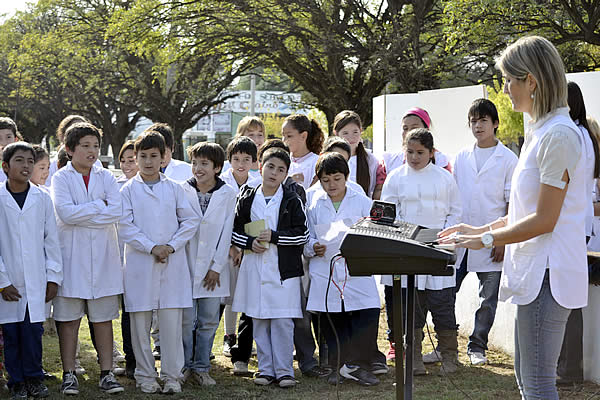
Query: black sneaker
{"points": [[37, 389], [335, 378], [316, 372], [263, 380], [18, 392], [379, 368], [48, 375], [109, 384], [130, 369], [228, 342], [70, 384], [359, 375]]}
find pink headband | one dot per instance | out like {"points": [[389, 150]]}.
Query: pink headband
{"points": [[419, 112]]}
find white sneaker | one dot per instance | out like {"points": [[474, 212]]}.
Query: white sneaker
{"points": [[79, 370], [117, 355], [240, 368], [171, 386], [118, 371], [477, 358], [149, 387], [432, 357], [204, 379]]}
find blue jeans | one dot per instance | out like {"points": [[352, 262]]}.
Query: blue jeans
{"points": [[200, 323], [489, 283], [539, 330]]}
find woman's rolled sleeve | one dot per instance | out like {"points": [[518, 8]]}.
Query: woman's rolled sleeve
{"points": [[559, 150]]}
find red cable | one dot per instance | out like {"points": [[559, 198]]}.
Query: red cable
{"points": [[345, 276]]}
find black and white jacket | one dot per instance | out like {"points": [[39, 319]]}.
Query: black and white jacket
{"points": [[291, 234]]}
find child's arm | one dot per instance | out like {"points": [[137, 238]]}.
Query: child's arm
{"points": [[69, 212], [4, 281], [128, 231], [238, 236], [54, 268], [221, 255], [455, 207], [187, 218], [112, 209], [309, 247], [297, 234]]}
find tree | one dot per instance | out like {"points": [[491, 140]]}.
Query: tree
{"points": [[342, 53], [511, 122], [476, 31]]}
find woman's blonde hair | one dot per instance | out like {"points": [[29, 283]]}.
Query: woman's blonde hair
{"points": [[535, 55], [248, 123]]}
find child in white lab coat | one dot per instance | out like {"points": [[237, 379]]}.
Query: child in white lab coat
{"points": [[41, 167], [30, 270], [177, 170], [352, 302], [242, 156], [157, 223], [254, 129], [363, 164], [268, 288], [483, 173], [8, 134], [304, 138], [207, 254], [427, 195], [87, 203]]}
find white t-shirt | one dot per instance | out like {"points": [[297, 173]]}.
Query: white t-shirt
{"points": [[482, 155]]}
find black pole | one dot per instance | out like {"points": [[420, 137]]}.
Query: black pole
{"points": [[410, 334], [398, 335]]}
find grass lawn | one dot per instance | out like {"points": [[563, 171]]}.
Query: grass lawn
{"points": [[494, 381]]}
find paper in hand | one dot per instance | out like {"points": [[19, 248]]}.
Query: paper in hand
{"points": [[254, 229]]}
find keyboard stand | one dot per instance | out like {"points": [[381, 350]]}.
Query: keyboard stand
{"points": [[404, 376]]}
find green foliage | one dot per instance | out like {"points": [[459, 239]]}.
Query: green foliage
{"points": [[511, 122], [321, 118], [273, 123]]}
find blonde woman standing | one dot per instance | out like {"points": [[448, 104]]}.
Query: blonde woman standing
{"points": [[545, 266]]}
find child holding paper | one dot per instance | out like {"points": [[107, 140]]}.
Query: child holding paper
{"points": [[268, 288]]}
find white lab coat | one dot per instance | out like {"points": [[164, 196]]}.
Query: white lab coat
{"points": [[179, 171], [54, 167], [373, 165], [254, 178], [306, 166], [209, 248], [30, 254], [484, 194], [260, 293], [360, 292], [428, 197], [86, 229], [151, 217]]}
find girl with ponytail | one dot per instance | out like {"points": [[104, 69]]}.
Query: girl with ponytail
{"points": [[305, 138], [363, 164]]}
